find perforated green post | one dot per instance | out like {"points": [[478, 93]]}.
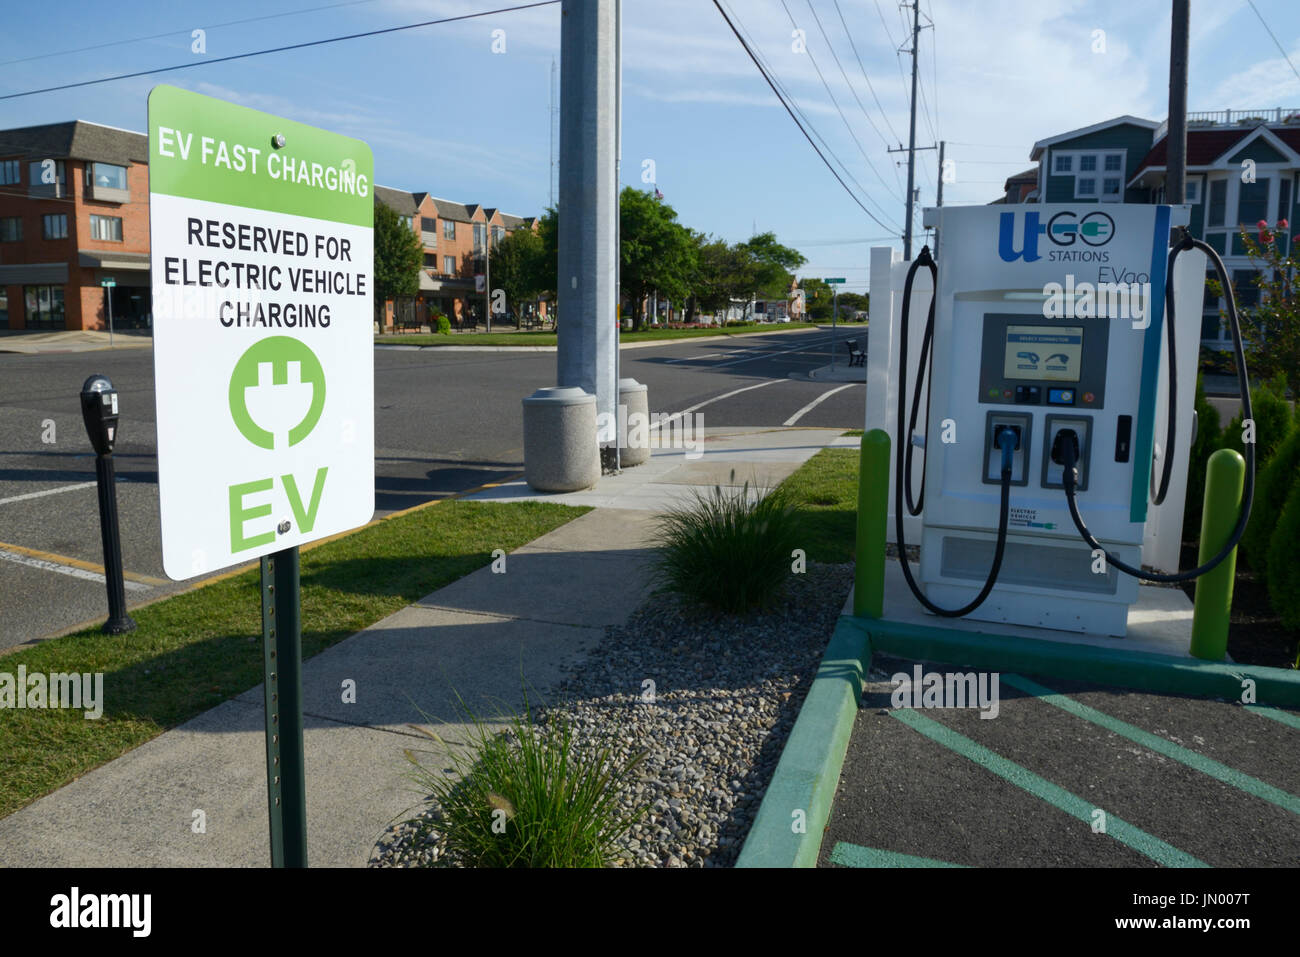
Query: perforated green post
{"points": [[1225, 474], [873, 519], [286, 784]]}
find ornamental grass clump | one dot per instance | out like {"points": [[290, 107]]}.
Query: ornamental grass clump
{"points": [[527, 797], [726, 551]]}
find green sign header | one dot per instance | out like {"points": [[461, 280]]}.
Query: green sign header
{"points": [[840, 280], [206, 149]]}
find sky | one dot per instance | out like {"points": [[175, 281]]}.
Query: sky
{"points": [[463, 111]]}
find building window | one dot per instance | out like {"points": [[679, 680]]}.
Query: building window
{"points": [[430, 261], [1243, 286], [1087, 164], [498, 233], [55, 226], [1218, 202], [106, 175], [1284, 199], [106, 228], [478, 236], [428, 224], [1085, 186], [44, 306], [449, 265], [11, 229], [46, 173], [448, 229], [8, 172], [1114, 162], [1192, 190], [406, 221], [1110, 187], [1252, 202], [1064, 163]]}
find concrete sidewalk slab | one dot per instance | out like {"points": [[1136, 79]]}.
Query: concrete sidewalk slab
{"points": [[85, 340]]}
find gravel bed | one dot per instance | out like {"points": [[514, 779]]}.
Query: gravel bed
{"points": [[726, 693]]}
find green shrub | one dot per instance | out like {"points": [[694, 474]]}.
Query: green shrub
{"points": [[1272, 487], [1217, 362], [725, 551], [1208, 439], [442, 324], [1273, 422], [526, 797], [1284, 562]]}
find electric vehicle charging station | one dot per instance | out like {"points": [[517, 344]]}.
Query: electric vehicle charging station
{"points": [[1048, 331]]}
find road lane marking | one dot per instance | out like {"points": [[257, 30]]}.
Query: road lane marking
{"points": [[1073, 805], [48, 491], [717, 398], [1153, 742], [816, 402], [75, 571], [768, 355]]}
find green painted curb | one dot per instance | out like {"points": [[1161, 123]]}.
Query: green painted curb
{"points": [[809, 770], [1140, 670]]}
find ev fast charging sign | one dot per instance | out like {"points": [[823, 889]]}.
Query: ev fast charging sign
{"points": [[261, 231]]}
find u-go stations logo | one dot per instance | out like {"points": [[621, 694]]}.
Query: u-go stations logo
{"points": [[1064, 229]]}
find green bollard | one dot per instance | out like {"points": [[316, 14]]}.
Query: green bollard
{"points": [[1224, 477], [873, 517]]}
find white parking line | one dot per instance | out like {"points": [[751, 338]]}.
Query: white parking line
{"points": [[816, 402], [778, 352], [64, 569], [48, 491]]}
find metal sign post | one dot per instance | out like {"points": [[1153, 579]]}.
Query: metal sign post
{"points": [[286, 766], [835, 312], [109, 285]]}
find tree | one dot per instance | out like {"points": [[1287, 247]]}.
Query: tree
{"points": [[656, 253], [723, 273], [518, 268], [399, 255], [773, 265], [817, 298], [1270, 330]]}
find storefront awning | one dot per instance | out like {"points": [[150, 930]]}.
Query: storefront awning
{"points": [[123, 262]]}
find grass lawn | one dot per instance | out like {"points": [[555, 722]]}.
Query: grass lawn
{"points": [[825, 490], [195, 650], [548, 338]]}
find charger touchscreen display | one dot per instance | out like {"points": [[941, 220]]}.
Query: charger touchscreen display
{"points": [[1043, 353]]}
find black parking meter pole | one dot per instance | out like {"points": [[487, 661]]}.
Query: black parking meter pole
{"points": [[99, 412], [119, 622], [286, 777]]}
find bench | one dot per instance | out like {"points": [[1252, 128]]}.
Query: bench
{"points": [[856, 356]]}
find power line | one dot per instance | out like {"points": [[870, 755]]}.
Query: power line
{"points": [[172, 33], [879, 105], [793, 104], [836, 103], [1274, 39], [718, 4], [283, 49]]}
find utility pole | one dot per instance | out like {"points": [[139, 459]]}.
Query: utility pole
{"points": [[487, 271], [1176, 176], [911, 137], [938, 199]]}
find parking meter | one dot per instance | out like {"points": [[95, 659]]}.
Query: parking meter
{"points": [[99, 412]]}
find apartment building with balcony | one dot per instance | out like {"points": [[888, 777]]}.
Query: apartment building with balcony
{"points": [[74, 212]]}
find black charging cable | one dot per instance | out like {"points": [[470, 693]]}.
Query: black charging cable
{"points": [[1006, 440], [1068, 450]]}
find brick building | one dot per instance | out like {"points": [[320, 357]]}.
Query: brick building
{"points": [[74, 211]]}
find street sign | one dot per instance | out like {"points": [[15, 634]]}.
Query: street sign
{"points": [[261, 234], [108, 283], [839, 280]]}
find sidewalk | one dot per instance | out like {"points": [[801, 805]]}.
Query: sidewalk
{"points": [[475, 636], [32, 343]]}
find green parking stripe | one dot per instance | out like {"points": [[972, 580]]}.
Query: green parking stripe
{"points": [[854, 855], [1023, 778], [1153, 742], [1285, 717]]}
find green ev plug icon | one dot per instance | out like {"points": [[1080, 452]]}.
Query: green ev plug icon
{"points": [[277, 392]]}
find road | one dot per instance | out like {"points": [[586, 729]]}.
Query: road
{"points": [[445, 420]]}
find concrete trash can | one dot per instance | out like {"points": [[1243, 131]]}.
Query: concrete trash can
{"points": [[634, 424], [560, 449]]}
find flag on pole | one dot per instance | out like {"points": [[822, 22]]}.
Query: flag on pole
{"points": [[658, 195]]}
